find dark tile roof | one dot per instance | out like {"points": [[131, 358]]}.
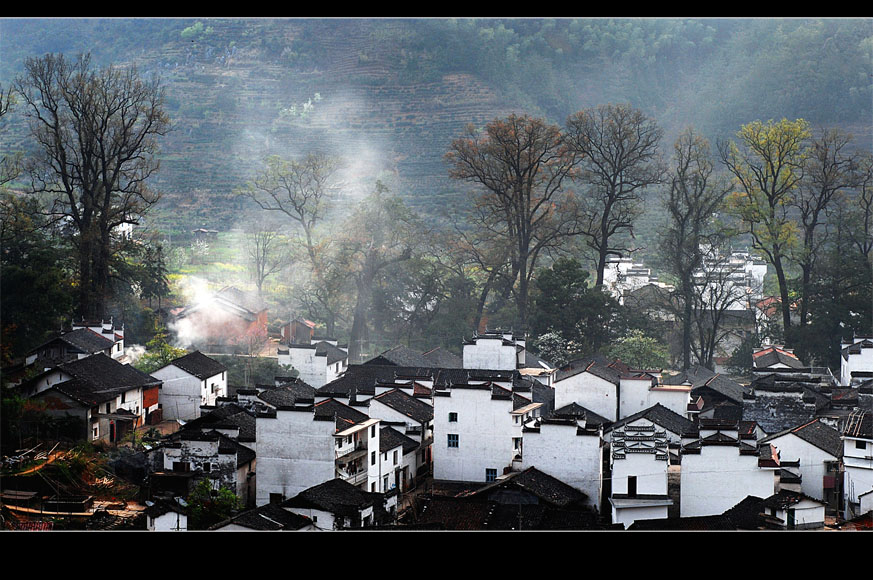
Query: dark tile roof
{"points": [[815, 433], [575, 410], [406, 404], [84, 392], [81, 339], [389, 438], [288, 394], [336, 496], [345, 415], [700, 377], [660, 415], [229, 415], [333, 353], [472, 513], [546, 488], [785, 498], [362, 378], [441, 358], [100, 377], [400, 356], [597, 365], [269, 517], [198, 364], [160, 506], [774, 357]]}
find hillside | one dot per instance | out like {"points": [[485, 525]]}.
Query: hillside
{"points": [[390, 95]]}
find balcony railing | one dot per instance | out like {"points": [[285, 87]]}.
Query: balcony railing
{"points": [[353, 478]]}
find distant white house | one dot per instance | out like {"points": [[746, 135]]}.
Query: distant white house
{"points": [[318, 363], [191, 382], [495, 350], [856, 360]]}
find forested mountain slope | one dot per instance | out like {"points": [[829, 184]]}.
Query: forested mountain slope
{"points": [[389, 95]]}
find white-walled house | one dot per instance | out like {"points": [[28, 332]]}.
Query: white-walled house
{"points": [[191, 382], [569, 448], [857, 435], [592, 383], [338, 505], [720, 469], [73, 345], [797, 511], [639, 464], [318, 363], [295, 450], [193, 455], [856, 357], [640, 390], [494, 350], [817, 449], [474, 434], [110, 398]]}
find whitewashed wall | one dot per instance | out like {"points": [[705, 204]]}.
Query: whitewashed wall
{"points": [[719, 478], [294, 453], [812, 462], [589, 391], [180, 394], [577, 460], [490, 353], [485, 431]]}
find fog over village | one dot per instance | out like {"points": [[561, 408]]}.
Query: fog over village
{"points": [[438, 274]]}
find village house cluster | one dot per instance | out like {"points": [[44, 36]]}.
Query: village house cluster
{"points": [[494, 439]]}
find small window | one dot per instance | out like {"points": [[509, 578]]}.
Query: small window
{"points": [[373, 458], [453, 439], [490, 475], [395, 458], [632, 485], [373, 431], [860, 444], [276, 498], [453, 417]]}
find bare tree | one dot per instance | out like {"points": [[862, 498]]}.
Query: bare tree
{"points": [[713, 299], [768, 164], [520, 164], [97, 135], [9, 163], [380, 233], [303, 190], [829, 169], [263, 248], [693, 199], [618, 148]]}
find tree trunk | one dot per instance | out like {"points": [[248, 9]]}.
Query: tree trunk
{"points": [[783, 294], [686, 324]]}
